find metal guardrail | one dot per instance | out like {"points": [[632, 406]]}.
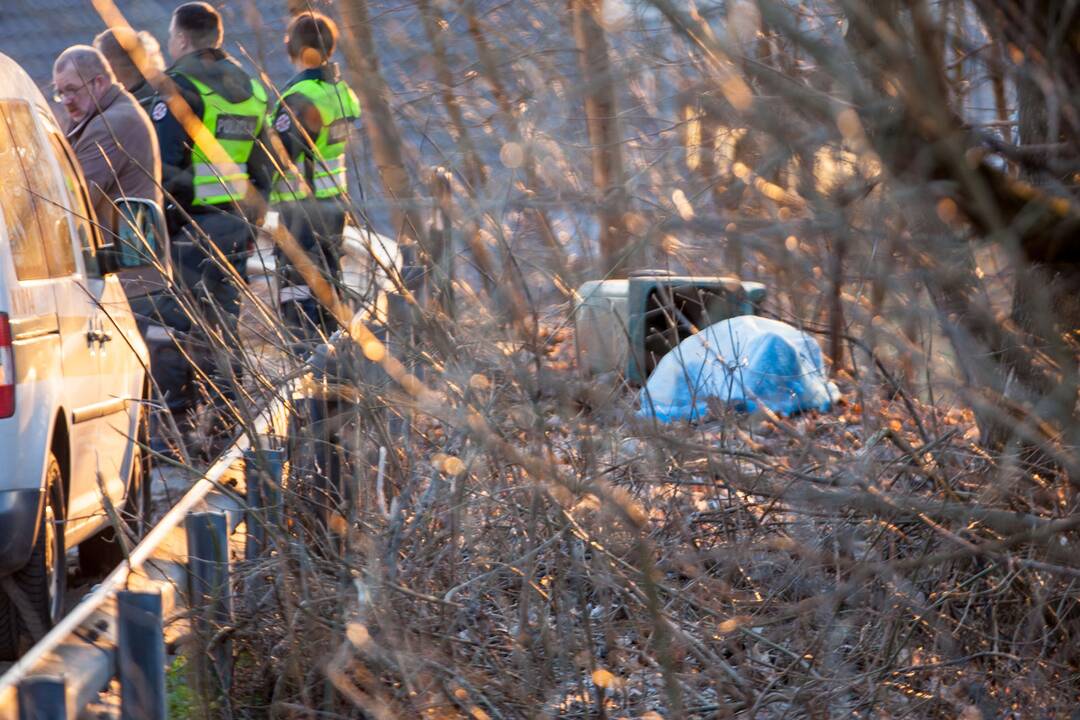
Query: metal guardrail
{"points": [[117, 630]]}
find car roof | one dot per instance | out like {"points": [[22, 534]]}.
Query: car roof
{"points": [[15, 84]]}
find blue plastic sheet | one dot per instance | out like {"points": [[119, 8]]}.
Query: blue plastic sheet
{"points": [[742, 362]]}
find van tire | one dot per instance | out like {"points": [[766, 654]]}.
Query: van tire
{"points": [[100, 553], [41, 591]]}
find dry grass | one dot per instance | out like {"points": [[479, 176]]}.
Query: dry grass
{"points": [[534, 550], [825, 565]]}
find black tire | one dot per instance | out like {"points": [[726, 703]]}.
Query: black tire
{"points": [[99, 554], [42, 582]]}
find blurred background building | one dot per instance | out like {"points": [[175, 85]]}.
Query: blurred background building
{"points": [[35, 32]]}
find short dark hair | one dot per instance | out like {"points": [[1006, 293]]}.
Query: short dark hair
{"points": [[112, 47], [311, 30], [201, 23]]}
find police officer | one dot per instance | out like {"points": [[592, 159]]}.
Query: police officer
{"points": [[113, 44], [314, 117], [216, 172]]}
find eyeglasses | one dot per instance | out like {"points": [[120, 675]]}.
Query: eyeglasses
{"points": [[60, 94]]}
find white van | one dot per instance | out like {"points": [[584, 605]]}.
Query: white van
{"points": [[72, 370]]}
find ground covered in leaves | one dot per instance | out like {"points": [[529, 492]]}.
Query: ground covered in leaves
{"points": [[534, 550]]}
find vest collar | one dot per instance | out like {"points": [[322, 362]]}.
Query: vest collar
{"points": [[198, 59], [142, 90], [218, 71], [326, 73]]}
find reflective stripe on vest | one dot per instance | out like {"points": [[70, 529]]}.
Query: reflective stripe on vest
{"points": [[234, 126], [330, 177], [294, 292], [288, 187], [329, 180], [233, 186], [338, 107]]}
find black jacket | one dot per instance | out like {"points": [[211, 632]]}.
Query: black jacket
{"points": [[223, 75], [145, 94]]}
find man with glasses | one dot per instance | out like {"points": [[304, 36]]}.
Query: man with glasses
{"points": [[117, 146], [111, 134]]}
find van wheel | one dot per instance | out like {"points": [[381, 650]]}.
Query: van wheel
{"points": [[32, 599], [138, 506], [100, 553]]}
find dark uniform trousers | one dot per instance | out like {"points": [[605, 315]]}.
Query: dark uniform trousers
{"points": [[163, 324], [209, 262], [317, 226]]}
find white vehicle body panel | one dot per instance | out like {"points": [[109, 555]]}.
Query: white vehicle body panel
{"points": [[74, 394]]}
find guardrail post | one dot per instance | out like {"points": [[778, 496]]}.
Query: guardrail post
{"points": [[262, 480], [209, 585], [140, 656], [42, 698]]}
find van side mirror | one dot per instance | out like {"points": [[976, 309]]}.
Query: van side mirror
{"points": [[140, 238]]}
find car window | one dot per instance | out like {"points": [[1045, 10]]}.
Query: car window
{"points": [[50, 201], [80, 207], [17, 204]]}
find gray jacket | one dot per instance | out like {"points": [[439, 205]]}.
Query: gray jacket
{"points": [[118, 150]]}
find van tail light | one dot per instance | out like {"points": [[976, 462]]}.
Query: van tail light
{"points": [[7, 369]]}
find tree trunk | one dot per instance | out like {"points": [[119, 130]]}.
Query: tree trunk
{"points": [[1046, 306], [837, 328], [602, 116], [383, 134], [489, 70], [433, 21]]}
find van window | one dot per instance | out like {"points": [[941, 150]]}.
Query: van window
{"points": [[18, 207], [50, 202], [80, 207]]}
